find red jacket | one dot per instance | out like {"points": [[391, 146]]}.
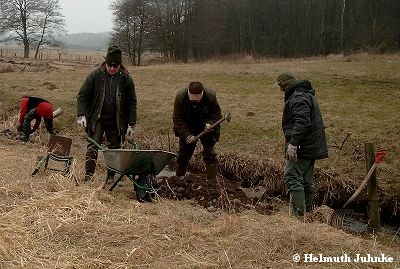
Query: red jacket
{"points": [[44, 109]]}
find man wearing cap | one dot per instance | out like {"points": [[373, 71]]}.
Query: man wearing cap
{"points": [[305, 139], [196, 108], [34, 108], [106, 104]]}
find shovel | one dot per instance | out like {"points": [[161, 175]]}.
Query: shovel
{"points": [[226, 117], [379, 156]]}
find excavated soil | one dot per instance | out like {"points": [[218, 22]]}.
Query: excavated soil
{"points": [[217, 194]]}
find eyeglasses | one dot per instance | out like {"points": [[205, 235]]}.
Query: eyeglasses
{"points": [[114, 65]]}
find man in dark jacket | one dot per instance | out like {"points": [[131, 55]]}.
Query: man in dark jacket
{"points": [[106, 104], [34, 108], [305, 139], [196, 108]]}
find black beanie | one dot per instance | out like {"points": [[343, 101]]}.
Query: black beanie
{"points": [[114, 55]]}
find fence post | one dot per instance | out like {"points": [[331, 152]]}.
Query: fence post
{"points": [[373, 202]]}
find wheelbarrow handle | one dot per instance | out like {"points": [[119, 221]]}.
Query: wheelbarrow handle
{"points": [[92, 141]]}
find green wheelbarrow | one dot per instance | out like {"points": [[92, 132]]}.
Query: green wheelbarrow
{"points": [[140, 166]]}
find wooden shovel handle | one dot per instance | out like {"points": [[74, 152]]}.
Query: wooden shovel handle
{"points": [[211, 127], [362, 185], [379, 156]]}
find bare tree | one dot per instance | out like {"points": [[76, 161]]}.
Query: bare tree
{"points": [[29, 21], [50, 22], [132, 22], [199, 29]]}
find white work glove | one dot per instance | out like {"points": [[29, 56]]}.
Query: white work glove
{"points": [[291, 153], [81, 120], [207, 129], [190, 139], [130, 131]]}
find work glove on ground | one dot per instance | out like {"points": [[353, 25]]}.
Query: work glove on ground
{"points": [[291, 153], [81, 120], [190, 139], [131, 130]]}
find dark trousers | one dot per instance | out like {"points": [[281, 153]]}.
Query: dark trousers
{"points": [[32, 115], [299, 176], [299, 179], [185, 151], [113, 141]]}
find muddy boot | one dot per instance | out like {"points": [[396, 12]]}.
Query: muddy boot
{"points": [[88, 178], [110, 175], [309, 199], [297, 204], [24, 138], [180, 170], [212, 170]]}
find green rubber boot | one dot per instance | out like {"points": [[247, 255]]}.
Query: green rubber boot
{"points": [[297, 204], [309, 199]]}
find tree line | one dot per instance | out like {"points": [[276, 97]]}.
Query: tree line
{"points": [[198, 29], [32, 23], [182, 30]]}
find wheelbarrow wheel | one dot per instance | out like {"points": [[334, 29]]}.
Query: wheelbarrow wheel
{"points": [[143, 193]]}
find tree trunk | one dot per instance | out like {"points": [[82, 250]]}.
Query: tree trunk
{"points": [[342, 25]]}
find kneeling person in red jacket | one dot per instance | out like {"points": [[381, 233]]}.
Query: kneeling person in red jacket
{"points": [[34, 108]]}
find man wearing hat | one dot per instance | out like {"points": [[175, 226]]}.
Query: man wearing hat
{"points": [[305, 140], [106, 105], [196, 108]]}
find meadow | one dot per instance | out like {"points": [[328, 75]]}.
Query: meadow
{"points": [[85, 227]]}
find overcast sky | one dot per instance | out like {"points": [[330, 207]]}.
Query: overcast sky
{"points": [[90, 16]]}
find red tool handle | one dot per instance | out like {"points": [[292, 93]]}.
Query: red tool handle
{"points": [[380, 155]]}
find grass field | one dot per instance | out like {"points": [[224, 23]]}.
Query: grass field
{"points": [[356, 96], [87, 228]]}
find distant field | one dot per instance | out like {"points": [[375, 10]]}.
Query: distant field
{"points": [[16, 53]]}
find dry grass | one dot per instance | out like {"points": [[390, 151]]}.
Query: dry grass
{"points": [[48, 222]]}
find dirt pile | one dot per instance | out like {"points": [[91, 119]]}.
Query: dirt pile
{"points": [[221, 193]]}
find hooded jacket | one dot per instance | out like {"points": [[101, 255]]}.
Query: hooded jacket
{"points": [[190, 118], [302, 122], [91, 96]]}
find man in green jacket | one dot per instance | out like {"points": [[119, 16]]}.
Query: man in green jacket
{"points": [[196, 108], [106, 105], [305, 139]]}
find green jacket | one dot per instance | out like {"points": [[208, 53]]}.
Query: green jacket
{"points": [[302, 122], [191, 120], [91, 97]]}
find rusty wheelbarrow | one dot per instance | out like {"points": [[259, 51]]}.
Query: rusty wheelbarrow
{"points": [[140, 166]]}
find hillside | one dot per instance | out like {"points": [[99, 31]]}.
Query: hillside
{"points": [[98, 41]]}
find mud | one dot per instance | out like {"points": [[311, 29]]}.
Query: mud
{"points": [[217, 194]]}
